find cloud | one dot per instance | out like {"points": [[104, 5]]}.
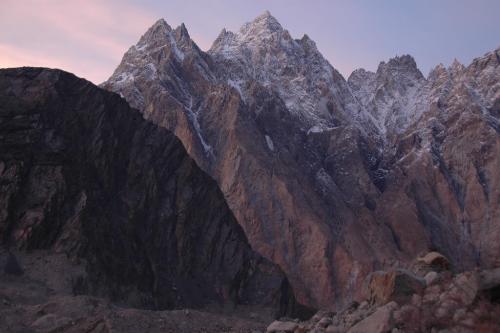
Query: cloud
{"points": [[11, 56], [67, 34]]}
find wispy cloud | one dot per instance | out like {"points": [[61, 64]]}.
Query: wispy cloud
{"points": [[67, 33]]}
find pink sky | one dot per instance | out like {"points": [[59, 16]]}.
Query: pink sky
{"points": [[87, 37]]}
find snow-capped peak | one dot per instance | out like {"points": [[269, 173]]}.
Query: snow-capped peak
{"points": [[391, 94], [157, 33], [262, 25], [263, 51], [157, 58], [400, 65]]}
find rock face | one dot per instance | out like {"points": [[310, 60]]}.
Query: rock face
{"points": [[464, 302], [330, 179], [84, 174], [398, 285]]}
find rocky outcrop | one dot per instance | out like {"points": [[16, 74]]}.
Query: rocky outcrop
{"points": [[330, 179], [453, 303], [397, 285], [84, 174]]}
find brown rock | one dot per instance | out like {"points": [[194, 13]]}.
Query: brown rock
{"points": [[431, 277], [465, 288], [379, 322], [489, 278], [396, 285], [435, 261], [281, 326]]}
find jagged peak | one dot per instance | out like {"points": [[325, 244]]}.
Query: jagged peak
{"points": [[158, 32], [307, 41], [456, 66], [182, 31], [436, 72], [360, 74], [404, 63], [159, 27], [262, 23], [405, 60]]}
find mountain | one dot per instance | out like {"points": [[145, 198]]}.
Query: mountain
{"points": [[330, 179], [84, 175]]}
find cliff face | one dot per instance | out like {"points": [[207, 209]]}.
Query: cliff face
{"points": [[330, 179], [84, 174]]}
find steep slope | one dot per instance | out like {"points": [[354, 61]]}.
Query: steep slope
{"points": [[317, 170], [443, 154], [83, 174], [449, 161]]}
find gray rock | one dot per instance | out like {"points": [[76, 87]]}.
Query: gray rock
{"points": [[378, 322], [430, 278], [281, 326]]}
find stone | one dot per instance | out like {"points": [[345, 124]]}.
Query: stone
{"points": [[334, 329], [324, 322], [465, 287], [430, 278], [50, 323], [436, 261], [397, 285], [281, 326], [489, 278], [378, 322]]}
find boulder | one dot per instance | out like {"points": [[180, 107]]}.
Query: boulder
{"points": [[378, 322], [489, 284], [489, 279], [397, 285], [431, 277], [282, 326], [435, 261], [464, 289]]}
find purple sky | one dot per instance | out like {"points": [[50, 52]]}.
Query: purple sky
{"points": [[88, 37]]}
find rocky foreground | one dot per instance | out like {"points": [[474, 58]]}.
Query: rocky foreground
{"points": [[37, 295], [427, 298]]}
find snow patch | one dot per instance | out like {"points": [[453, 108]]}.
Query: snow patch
{"points": [[178, 53], [196, 125], [236, 85], [270, 143], [125, 77], [142, 47]]}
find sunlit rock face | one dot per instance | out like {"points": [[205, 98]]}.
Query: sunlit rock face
{"points": [[330, 179]]}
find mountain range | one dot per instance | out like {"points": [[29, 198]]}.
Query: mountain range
{"points": [[253, 175], [330, 178]]}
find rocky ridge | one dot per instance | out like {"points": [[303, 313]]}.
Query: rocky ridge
{"points": [[84, 175], [428, 299]]}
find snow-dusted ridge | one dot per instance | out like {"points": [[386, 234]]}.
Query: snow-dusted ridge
{"points": [[384, 103]]}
